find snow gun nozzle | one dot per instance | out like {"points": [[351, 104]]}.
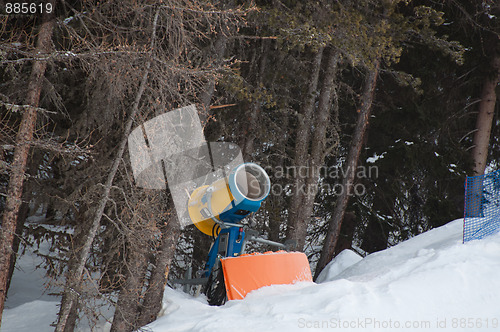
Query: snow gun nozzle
{"points": [[230, 199]]}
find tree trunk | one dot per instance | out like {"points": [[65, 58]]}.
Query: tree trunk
{"points": [[276, 202], [255, 107], [153, 298], [485, 118], [318, 143], [346, 234], [295, 228], [351, 164], [73, 278], [72, 318], [128, 304], [23, 140]]}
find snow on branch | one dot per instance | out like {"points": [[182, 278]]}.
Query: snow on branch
{"points": [[19, 108]]}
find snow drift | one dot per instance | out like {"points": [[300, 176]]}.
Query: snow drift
{"points": [[431, 282]]}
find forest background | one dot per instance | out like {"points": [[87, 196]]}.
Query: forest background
{"points": [[367, 116]]}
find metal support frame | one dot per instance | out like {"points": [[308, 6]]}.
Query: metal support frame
{"points": [[229, 231]]}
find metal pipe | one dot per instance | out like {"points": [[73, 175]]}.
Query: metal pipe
{"points": [[272, 243]]}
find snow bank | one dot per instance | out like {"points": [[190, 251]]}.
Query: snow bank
{"points": [[339, 264], [432, 282]]}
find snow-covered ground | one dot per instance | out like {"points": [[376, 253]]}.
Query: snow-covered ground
{"points": [[29, 307], [431, 282]]}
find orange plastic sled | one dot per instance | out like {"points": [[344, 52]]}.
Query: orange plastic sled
{"points": [[246, 273]]}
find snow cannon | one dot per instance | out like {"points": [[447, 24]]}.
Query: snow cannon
{"points": [[218, 210], [230, 199]]}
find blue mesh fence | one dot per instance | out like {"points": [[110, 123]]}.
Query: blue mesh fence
{"points": [[482, 205]]}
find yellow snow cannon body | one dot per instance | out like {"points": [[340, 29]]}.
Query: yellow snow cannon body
{"points": [[230, 199]]}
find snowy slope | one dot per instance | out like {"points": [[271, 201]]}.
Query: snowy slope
{"points": [[432, 282]]}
